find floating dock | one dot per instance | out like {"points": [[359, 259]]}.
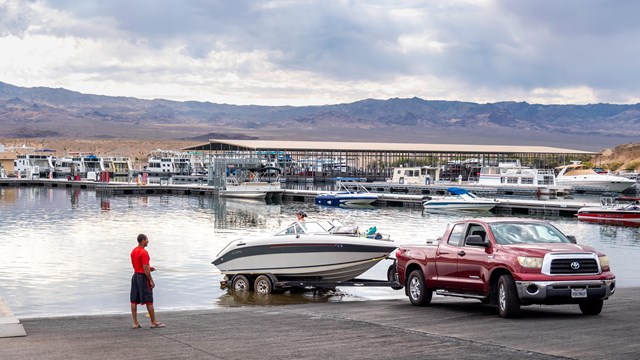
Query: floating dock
{"points": [[551, 207]]}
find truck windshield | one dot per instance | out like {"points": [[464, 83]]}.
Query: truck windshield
{"points": [[526, 233]]}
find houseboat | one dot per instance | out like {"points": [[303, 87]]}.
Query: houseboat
{"points": [[417, 175]]}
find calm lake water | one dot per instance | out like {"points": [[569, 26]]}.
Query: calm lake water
{"points": [[66, 252]]}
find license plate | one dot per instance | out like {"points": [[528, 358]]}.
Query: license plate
{"points": [[578, 293]]}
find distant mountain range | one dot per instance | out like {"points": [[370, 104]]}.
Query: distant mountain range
{"points": [[49, 112]]}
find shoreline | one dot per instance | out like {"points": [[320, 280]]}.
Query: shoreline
{"points": [[449, 328]]}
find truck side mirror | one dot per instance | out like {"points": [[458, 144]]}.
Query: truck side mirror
{"points": [[572, 239], [476, 240]]}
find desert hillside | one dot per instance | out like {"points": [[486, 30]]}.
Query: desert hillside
{"points": [[625, 157]]}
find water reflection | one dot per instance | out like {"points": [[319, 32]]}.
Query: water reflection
{"points": [[245, 298]]}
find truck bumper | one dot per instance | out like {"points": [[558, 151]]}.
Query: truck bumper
{"points": [[564, 292]]}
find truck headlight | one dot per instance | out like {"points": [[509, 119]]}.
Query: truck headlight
{"points": [[530, 262], [604, 262]]}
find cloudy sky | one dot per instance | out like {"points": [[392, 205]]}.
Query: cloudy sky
{"points": [[307, 52]]}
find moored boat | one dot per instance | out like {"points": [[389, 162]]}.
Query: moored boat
{"points": [[513, 174], [580, 177], [459, 199], [346, 197], [613, 212], [255, 183]]}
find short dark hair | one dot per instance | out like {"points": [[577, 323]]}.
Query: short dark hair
{"points": [[141, 238]]}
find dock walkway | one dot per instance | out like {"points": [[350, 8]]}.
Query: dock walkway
{"points": [[555, 207], [449, 328]]}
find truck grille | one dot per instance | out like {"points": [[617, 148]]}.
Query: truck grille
{"points": [[574, 266]]}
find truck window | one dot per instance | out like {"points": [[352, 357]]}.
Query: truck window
{"points": [[455, 237], [523, 233], [475, 229]]}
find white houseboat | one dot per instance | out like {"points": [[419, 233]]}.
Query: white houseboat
{"points": [[117, 165], [23, 167], [417, 175], [28, 164], [512, 173]]}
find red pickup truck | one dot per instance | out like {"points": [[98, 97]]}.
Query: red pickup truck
{"points": [[509, 262]]}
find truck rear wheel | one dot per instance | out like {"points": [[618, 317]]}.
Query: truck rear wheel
{"points": [[591, 307], [508, 301], [419, 295]]}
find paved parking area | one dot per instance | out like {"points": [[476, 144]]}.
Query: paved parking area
{"points": [[448, 329]]}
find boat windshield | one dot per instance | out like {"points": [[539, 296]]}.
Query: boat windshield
{"points": [[304, 227], [313, 227], [527, 233]]}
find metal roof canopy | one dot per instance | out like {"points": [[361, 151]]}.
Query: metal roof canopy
{"points": [[239, 145]]}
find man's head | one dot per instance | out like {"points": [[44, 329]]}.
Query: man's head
{"points": [[301, 215], [143, 240]]}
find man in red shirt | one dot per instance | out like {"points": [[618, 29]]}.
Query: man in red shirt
{"points": [[142, 283]]}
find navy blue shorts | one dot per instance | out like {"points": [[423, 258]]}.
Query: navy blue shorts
{"points": [[141, 292]]}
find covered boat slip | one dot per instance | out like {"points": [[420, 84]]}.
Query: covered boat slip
{"points": [[373, 161]]}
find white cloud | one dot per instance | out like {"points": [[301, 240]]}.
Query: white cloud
{"points": [[317, 52]]}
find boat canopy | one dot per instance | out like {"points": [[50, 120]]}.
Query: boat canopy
{"points": [[457, 191]]}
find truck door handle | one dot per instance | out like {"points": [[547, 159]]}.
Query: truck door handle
{"points": [[462, 253]]}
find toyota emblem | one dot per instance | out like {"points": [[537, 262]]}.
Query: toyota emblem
{"points": [[575, 265]]}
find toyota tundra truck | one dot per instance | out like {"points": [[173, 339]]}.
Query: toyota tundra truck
{"points": [[509, 262]]}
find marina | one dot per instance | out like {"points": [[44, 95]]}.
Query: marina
{"points": [[410, 198]]}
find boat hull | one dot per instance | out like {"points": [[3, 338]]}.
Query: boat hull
{"points": [[602, 215], [244, 194], [460, 205], [604, 184], [341, 259], [345, 200]]}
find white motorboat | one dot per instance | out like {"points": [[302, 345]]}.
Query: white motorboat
{"points": [[305, 250], [459, 199], [346, 197], [580, 177], [261, 183]]}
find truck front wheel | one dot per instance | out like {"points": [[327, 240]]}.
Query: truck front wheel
{"points": [[591, 307], [508, 301], [419, 295]]}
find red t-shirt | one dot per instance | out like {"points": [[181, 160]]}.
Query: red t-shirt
{"points": [[139, 257]]}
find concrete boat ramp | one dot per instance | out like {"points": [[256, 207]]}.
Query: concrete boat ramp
{"points": [[10, 326], [386, 329]]}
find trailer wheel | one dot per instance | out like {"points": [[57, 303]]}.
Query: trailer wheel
{"points": [[263, 285], [508, 301], [393, 276], [240, 283], [591, 307], [419, 295]]}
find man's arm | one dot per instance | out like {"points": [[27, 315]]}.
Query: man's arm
{"points": [[147, 271]]}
